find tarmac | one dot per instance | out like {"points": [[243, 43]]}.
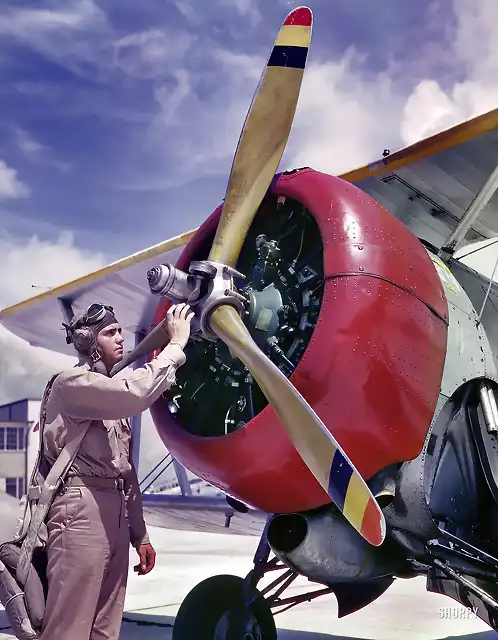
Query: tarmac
{"points": [[406, 611]]}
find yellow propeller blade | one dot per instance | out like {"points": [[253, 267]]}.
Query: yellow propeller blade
{"points": [[316, 445], [264, 135]]}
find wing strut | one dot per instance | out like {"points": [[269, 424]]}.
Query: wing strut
{"points": [[481, 199]]}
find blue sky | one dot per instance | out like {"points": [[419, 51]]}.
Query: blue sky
{"points": [[122, 116], [119, 118]]}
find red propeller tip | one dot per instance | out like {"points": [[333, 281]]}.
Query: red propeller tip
{"points": [[301, 17]]}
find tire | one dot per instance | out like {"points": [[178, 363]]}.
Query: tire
{"points": [[201, 612]]}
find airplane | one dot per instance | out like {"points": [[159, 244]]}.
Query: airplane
{"points": [[341, 376]]}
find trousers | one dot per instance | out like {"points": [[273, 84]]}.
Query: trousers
{"points": [[88, 558]]}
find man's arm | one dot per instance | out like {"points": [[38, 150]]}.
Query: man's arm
{"points": [[90, 395], [134, 507]]}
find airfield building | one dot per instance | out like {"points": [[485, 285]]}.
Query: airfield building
{"points": [[19, 438]]}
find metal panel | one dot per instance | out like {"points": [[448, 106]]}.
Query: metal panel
{"points": [[469, 354], [464, 358], [475, 287]]}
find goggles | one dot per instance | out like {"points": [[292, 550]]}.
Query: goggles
{"points": [[95, 313]]}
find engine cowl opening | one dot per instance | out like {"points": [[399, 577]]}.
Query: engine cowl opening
{"points": [[282, 259]]}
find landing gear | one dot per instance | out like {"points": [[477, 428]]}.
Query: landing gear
{"points": [[216, 609], [227, 607]]}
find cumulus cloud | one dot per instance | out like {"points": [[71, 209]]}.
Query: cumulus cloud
{"points": [[473, 49], [346, 118], [11, 187], [27, 269], [343, 117]]}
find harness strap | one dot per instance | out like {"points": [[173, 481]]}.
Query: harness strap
{"points": [[48, 488]]}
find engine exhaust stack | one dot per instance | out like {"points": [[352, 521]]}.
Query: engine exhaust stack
{"points": [[323, 546]]}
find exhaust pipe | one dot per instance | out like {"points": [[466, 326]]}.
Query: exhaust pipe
{"points": [[324, 547]]}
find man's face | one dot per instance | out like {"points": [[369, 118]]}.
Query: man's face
{"points": [[110, 342]]}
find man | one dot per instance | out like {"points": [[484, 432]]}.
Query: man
{"points": [[98, 512]]}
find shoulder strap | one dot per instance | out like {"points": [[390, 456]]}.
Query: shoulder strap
{"points": [[41, 426], [48, 488]]}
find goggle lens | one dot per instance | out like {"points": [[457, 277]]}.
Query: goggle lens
{"points": [[96, 312]]}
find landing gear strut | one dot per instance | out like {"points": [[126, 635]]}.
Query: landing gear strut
{"points": [[227, 607]]}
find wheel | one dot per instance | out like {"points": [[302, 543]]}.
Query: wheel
{"points": [[214, 610]]}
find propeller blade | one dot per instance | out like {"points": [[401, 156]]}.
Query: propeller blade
{"points": [[264, 135], [158, 338], [316, 445]]}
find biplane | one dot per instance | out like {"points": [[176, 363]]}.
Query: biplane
{"points": [[340, 382]]}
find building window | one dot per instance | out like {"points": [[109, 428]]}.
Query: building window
{"points": [[14, 487], [12, 439], [2, 438]]}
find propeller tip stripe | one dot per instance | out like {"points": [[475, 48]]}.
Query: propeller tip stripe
{"points": [[353, 498], [373, 526], [292, 57], [301, 16], [339, 478]]}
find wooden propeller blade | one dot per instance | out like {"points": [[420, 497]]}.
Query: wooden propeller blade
{"points": [[264, 135], [312, 440]]}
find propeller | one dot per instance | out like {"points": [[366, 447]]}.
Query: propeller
{"points": [[257, 157]]}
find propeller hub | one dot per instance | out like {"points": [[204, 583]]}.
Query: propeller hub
{"points": [[207, 286]]}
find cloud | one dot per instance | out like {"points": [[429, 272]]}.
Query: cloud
{"points": [[152, 53], [247, 9], [346, 116], [11, 188], [24, 369], [337, 124], [69, 34], [473, 49], [36, 152]]}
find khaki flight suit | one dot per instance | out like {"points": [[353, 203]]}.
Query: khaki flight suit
{"points": [[98, 512]]}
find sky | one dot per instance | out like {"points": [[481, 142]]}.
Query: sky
{"points": [[119, 119]]}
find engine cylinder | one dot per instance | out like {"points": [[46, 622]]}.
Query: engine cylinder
{"points": [[323, 546]]}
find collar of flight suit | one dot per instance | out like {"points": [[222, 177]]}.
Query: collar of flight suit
{"points": [[86, 364]]}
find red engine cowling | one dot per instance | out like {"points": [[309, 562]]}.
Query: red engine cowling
{"points": [[371, 371]]}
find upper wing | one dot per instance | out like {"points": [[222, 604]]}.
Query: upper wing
{"points": [[122, 284], [430, 184]]}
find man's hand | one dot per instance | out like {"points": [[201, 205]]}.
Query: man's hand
{"points": [[178, 326], [147, 557]]}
